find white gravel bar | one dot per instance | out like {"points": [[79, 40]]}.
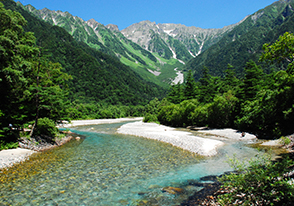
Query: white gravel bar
{"points": [[12, 156], [230, 134], [75, 123], [184, 140]]}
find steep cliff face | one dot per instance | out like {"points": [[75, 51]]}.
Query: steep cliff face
{"points": [[185, 42]]}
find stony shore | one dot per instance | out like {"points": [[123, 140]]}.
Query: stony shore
{"points": [[186, 140], [30, 146], [12, 156], [181, 139], [38, 144]]}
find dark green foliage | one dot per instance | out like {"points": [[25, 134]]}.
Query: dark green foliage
{"points": [[47, 127], [8, 145], [245, 41], [270, 112], [17, 48], [230, 81], [181, 51], [259, 103], [176, 93], [150, 118], [262, 183], [252, 82], [159, 46], [208, 86], [96, 76], [103, 111], [178, 115], [31, 86], [190, 90], [221, 110], [151, 111]]}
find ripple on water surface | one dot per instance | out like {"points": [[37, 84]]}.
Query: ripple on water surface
{"points": [[108, 169]]}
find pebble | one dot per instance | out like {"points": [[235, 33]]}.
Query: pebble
{"points": [[12, 156]]}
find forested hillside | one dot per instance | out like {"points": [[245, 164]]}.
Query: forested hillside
{"points": [[245, 41], [95, 76], [108, 39], [260, 103]]}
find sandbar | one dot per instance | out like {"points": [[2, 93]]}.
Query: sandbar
{"points": [[12, 156], [181, 139], [228, 133]]}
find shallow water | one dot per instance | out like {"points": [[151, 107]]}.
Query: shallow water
{"points": [[111, 169]]}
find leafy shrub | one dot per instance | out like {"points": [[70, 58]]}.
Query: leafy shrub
{"points": [[46, 126], [285, 140], [150, 118], [262, 183], [8, 145]]}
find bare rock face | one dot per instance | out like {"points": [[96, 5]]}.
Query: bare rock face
{"points": [[112, 27], [93, 23], [193, 38]]}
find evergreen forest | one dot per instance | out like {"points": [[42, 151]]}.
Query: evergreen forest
{"points": [[45, 73], [259, 102], [47, 76]]}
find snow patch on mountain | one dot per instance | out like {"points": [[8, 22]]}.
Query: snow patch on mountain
{"points": [[200, 49], [179, 78], [169, 32], [54, 21], [191, 54], [156, 73]]}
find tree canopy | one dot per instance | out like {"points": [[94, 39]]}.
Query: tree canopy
{"points": [[259, 103], [29, 83]]}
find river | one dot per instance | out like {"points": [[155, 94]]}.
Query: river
{"points": [[107, 168]]}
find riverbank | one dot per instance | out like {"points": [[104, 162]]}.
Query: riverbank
{"points": [[184, 140], [75, 123], [226, 136], [38, 144], [29, 146], [12, 156], [181, 139]]}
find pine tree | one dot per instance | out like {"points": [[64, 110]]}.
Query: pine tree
{"points": [[253, 81], [190, 90]]}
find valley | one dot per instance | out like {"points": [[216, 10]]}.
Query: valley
{"points": [[58, 69], [146, 47]]}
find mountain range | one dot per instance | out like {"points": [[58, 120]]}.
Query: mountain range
{"points": [[245, 41], [152, 50], [159, 53], [97, 76]]}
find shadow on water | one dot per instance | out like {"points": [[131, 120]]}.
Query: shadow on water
{"points": [[112, 169]]}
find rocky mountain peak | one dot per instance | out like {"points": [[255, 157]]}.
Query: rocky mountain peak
{"points": [[143, 32], [93, 23], [112, 27]]}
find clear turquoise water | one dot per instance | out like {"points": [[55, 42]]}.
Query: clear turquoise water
{"points": [[112, 169]]}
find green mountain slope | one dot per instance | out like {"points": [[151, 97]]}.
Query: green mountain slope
{"points": [[245, 41], [110, 40], [96, 76]]}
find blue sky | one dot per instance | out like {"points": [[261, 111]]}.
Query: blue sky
{"points": [[199, 13]]}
